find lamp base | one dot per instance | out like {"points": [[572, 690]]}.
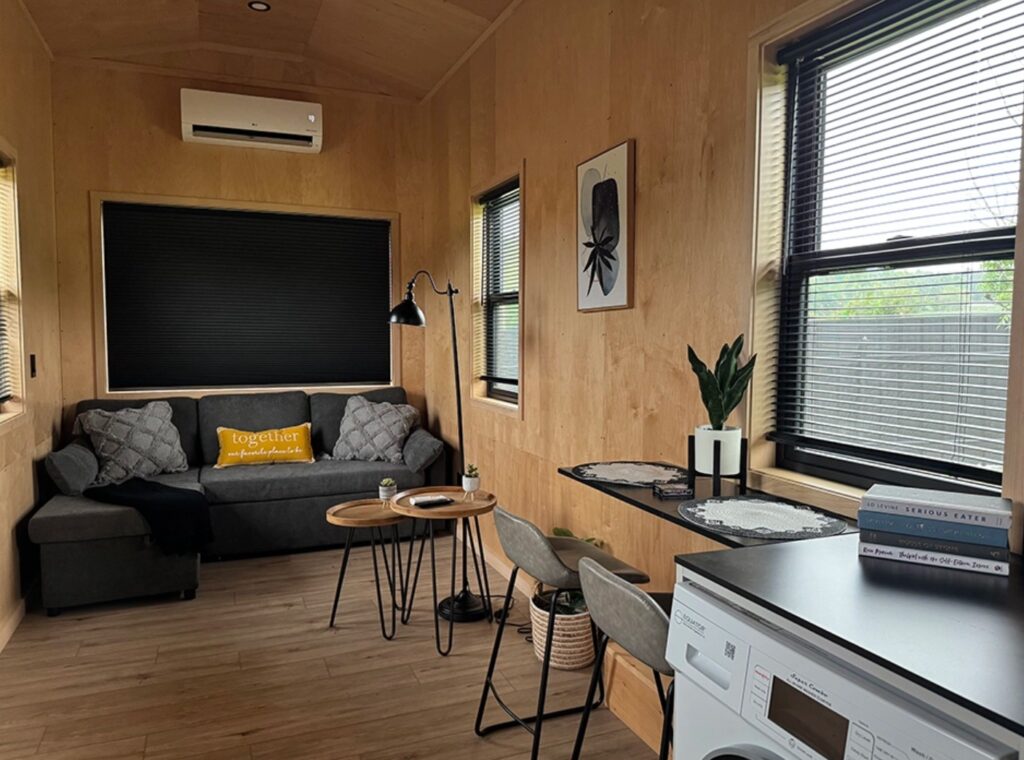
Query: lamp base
{"points": [[464, 607]]}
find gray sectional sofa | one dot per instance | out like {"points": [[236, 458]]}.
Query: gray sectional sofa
{"points": [[93, 551]]}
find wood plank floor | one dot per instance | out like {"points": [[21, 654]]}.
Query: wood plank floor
{"points": [[249, 671]]}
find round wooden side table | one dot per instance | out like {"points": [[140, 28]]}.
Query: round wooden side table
{"points": [[464, 606], [374, 515]]}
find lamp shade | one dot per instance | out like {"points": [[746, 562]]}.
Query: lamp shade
{"points": [[408, 313]]}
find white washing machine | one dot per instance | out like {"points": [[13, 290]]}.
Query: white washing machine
{"points": [[746, 690]]}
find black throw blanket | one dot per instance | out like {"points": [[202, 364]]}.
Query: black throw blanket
{"points": [[179, 518]]}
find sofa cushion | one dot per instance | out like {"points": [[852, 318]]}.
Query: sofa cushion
{"points": [[268, 482], [248, 411], [374, 432], [133, 443], [327, 410], [421, 450], [72, 468], [77, 518], [185, 417]]}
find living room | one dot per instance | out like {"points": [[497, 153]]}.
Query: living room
{"points": [[457, 250]]}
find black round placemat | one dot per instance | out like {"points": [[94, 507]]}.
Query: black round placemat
{"points": [[713, 514], [673, 474]]}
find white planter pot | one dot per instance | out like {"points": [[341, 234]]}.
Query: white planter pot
{"points": [[730, 439], [387, 493], [470, 485]]}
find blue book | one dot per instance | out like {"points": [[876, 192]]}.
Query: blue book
{"points": [[936, 529]]}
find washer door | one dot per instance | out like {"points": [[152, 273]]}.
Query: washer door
{"points": [[742, 752]]}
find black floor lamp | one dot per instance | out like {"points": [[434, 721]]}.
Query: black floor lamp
{"points": [[465, 606]]}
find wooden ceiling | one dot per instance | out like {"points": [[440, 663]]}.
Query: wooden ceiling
{"points": [[399, 48]]}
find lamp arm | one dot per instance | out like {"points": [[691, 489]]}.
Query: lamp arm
{"points": [[412, 284]]}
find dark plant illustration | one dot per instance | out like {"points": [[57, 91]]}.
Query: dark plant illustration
{"points": [[602, 224]]}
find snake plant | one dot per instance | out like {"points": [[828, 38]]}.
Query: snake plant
{"points": [[722, 390]]}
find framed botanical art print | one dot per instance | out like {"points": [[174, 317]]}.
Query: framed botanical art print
{"points": [[604, 230]]}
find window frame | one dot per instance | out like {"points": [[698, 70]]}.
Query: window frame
{"points": [[485, 388], [835, 461], [13, 336]]}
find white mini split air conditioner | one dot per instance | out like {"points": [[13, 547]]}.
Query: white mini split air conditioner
{"points": [[223, 118]]}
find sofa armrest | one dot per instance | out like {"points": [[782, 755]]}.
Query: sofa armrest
{"points": [[72, 468], [421, 450]]}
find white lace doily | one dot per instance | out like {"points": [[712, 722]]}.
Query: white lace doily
{"points": [[761, 518], [630, 473]]}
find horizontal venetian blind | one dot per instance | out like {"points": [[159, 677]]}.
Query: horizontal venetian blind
{"points": [[501, 225], [9, 298], [902, 212], [210, 298]]}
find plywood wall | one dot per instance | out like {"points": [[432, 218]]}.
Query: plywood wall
{"points": [[120, 132], [559, 82], [25, 124]]}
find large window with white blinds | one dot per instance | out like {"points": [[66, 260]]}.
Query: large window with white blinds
{"points": [[500, 291], [10, 302], [905, 125]]}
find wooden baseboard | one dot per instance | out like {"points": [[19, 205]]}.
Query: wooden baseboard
{"points": [[10, 625]]}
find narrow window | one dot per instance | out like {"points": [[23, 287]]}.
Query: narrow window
{"points": [[10, 301], [902, 191], [500, 252]]}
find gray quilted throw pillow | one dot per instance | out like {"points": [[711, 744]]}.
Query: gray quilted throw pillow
{"points": [[374, 432], [133, 443]]}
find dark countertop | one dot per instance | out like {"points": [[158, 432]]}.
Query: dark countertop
{"points": [[957, 634], [668, 509]]}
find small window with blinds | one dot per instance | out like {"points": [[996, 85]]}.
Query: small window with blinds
{"points": [[500, 270], [10, 301], [905, 125]]}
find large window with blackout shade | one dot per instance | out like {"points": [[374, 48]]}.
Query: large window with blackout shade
{"points": [[10, 299], [500, 251], [905, 126], [198, 298]]}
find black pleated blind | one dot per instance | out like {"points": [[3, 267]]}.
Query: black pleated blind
{"points": [[501, 291], [207, 298], [902, 213]]}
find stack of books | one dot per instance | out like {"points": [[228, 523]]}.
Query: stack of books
{"points": [[959, 531]]}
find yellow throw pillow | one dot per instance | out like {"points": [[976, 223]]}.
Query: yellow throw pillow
{"points": [[291, 444]]}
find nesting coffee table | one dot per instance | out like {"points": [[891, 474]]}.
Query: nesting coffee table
{"points": [[466, 508]]}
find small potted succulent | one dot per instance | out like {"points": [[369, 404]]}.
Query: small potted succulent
{"points": [[471, 479], [572, 646], [721, 390], [387, 489]]}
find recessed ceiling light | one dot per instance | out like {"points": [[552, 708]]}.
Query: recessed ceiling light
{"points": [[259, 6]]}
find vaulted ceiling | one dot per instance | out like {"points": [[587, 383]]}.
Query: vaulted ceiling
{"points": [[401, 48]]}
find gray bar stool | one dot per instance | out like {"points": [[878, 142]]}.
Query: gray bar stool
{"points": [[636, 621], [553, 562]]}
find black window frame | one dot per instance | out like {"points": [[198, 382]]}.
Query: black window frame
{"points": [[496, 387], [882, 24]]}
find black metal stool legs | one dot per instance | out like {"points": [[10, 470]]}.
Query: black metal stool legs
{"points": [[533, 723], [667, 718], [596, 678], [341, 577]]}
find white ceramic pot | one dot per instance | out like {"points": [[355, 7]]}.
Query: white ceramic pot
{"points": [[387, 493], [470, 485], [730, 439]]}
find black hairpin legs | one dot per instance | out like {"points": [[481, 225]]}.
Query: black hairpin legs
{"points": [[596, 679], [341, 576]]}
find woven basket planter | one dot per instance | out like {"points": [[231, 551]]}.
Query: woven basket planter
{"points": [[573, 645]]}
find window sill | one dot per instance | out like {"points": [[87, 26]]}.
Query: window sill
{"points": [[10, 417], [818, 492], [502, 407]]}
